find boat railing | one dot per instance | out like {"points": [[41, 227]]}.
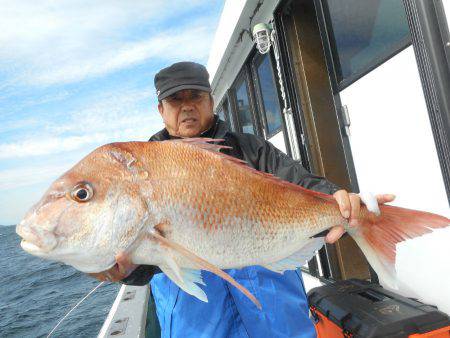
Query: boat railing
{"points": [[128, 314]]}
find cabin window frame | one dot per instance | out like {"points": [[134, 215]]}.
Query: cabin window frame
{"points": [[225, 106], [244, 75], [328, 38], [292, 98], [255, 61], [254, 95]]}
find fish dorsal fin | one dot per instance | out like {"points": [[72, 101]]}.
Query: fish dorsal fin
{"points": [[203, 142], [210, 144], [299, 258], [202, 264]]}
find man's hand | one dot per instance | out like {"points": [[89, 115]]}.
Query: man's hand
{"points": [[349, 205], [119, 271]]}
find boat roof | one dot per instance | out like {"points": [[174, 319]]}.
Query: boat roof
{"points": [[233, 42]]}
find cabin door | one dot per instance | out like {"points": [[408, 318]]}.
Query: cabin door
{"points": [[391, 137], [385, 114]]}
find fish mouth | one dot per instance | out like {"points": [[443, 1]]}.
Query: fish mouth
{"points": [[31, 248], [36, 240]]}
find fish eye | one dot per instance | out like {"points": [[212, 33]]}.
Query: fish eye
{"points": [[82, 192]]}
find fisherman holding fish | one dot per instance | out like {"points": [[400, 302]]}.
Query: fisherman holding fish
{"points": [[200, 199], [186, 107]]}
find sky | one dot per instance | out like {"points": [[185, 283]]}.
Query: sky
{"points": [[78, 74]]}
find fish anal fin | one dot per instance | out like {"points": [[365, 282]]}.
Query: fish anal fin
{"points": [[299, 258], [202, 264]]}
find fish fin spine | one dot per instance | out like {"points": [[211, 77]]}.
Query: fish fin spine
{"points": [[203, 143]]}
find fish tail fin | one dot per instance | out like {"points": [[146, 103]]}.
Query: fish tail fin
{"points": [[377, 236]]}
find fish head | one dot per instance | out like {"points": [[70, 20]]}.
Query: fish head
{"points": [[89, 214]]}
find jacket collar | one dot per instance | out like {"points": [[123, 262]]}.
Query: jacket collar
{"points": [[217, 130]]}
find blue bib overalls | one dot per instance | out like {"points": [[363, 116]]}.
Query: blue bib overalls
{"points": [[231, 314]]}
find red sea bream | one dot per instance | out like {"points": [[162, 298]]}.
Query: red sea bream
{"points": [[184, 206]]}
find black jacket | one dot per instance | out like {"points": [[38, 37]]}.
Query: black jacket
{"points": [[259, 154]]}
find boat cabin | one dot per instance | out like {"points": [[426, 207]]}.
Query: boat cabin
{"points": [[358, 91]]}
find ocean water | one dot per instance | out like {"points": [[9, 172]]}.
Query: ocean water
{"points": [[35, 294]]}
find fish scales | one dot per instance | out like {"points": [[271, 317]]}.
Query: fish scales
{"points": [[244, 210]]}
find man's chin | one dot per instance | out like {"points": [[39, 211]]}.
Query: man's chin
{"points": [[189, 132]]}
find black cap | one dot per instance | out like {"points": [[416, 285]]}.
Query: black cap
{"points": [[179, 76]]}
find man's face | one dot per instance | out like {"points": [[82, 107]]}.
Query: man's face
{"points": [[187, 113]]}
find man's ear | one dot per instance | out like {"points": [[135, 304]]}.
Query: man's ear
{"points": [[160, 108], [211, 101]]}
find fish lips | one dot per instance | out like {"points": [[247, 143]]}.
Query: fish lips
{"points": [[36, 241], [31, 248]]}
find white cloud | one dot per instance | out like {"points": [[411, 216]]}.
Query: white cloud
{"points": [[28, 22], [112, 117], [54, 145], [49, 145], [25, 176], [108, 111], [10, 121], [170, 45], [51, 42], [13, 125]]}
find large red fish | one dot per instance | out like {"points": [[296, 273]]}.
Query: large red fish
{"points": [[184, 206]]}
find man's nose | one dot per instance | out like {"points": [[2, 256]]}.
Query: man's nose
{"points": [[186, 106]]}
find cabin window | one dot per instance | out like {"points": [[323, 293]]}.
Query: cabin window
{"points": [[363, 34], [254, 100], [221, 113], [231, 117], [224, 112], [243, 109], [267, 94]]}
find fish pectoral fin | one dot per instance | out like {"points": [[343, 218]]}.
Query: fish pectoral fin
{"points": [[202, 264], [299, 258], [184, 278], [173, 266], [187, 280]]}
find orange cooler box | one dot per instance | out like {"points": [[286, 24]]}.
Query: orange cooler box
{"points": [[355, 308]]}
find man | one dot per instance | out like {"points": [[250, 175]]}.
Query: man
{"points": [[186, 107]]}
